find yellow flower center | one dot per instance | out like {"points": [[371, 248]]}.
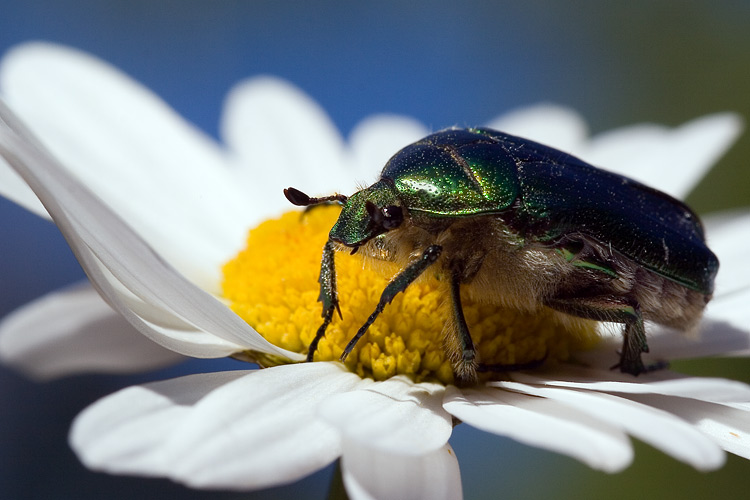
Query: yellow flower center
{"points": [[273, 285]]}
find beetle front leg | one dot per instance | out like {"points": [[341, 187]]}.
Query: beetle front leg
{"points": [[397, 284], [328, 295]]}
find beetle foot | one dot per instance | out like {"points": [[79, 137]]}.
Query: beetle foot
{"points": [[465, 373], [636, 367]]}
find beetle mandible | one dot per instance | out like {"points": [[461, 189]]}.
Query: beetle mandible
{"points": [[526, 226]]}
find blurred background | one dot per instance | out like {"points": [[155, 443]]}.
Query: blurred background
{"points": [[443, 62]]}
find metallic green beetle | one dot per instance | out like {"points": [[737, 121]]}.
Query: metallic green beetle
{"points": [[526, 226]]}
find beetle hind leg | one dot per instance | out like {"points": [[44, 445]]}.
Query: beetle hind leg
{"points": [[620, 310], [633, 345]]}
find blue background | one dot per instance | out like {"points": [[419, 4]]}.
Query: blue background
{"points": [[442, 62]]}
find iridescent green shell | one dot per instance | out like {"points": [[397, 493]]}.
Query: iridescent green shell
{"points": [[548, 196]]}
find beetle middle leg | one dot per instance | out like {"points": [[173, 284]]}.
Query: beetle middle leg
{"points": [[620, 310], [465, 366], [397, 284]]}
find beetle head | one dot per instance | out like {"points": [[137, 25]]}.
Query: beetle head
{"points": [[367, 214]]}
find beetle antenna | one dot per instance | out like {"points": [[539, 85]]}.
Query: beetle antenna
{"points": [[297, 197]]}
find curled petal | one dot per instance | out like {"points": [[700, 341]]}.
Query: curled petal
{"points": [[13, 188], [102, 126], [121, 265], [75, 331]]}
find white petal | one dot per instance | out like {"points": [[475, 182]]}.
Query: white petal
{"points": [[164, 177], [373, 474], [282, 138], [727, 323], [728, 235], [375, 139], [722, 332], [718, 224], [550, 124], [658, 428], [125, 431], [542, 423], [13, 188], [659, 382], [672, 160], [729, 427], [396, 416], [727, 315], [75, 331], [121, 265], [254, 430], [716, 337]]}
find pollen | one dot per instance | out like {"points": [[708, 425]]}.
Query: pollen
{"points": [[273, 285]]}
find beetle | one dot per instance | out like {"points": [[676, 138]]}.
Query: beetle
{"points": [[524, 225]]}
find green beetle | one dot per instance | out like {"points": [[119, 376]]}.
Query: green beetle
{"points": [[526, 226]]}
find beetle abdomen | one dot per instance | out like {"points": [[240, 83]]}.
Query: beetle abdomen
{"points": [[667, 302]]}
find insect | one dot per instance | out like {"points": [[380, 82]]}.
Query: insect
{"points": [[526, 226]]}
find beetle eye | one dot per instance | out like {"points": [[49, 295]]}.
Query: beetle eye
{"points": [[393, 216], [372, 210], [386, 218]]}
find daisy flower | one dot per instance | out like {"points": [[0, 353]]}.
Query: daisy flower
{"points": [[158, 216]]}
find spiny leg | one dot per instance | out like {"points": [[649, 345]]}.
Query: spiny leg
{"points": [[633, 344], [328, 295], [620, 310], [465, 368], [398, 284]]}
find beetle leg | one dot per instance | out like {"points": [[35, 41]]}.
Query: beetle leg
{"points": [[397, 284], [328, 295], [465, 368], [619, 310], [633, 344]]}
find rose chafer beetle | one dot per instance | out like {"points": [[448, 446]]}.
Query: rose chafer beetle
{"points": [[526, 226]]}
